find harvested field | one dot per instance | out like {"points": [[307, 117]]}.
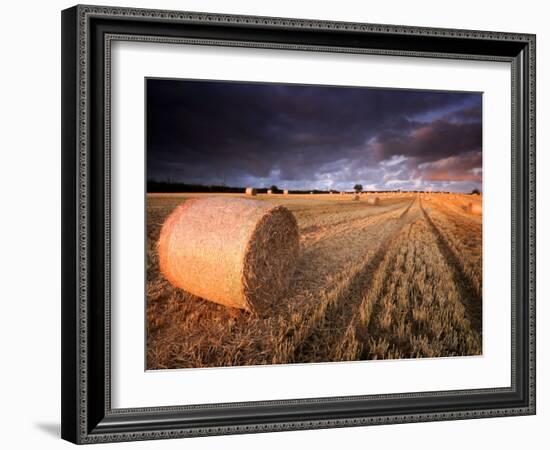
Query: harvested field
{"points": [[396, 279]]}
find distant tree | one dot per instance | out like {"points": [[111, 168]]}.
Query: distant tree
{"points": [[358, 187], [475, 192], [274, 189]]}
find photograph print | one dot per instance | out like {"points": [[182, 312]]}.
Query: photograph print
{"points": [[291, 223]]}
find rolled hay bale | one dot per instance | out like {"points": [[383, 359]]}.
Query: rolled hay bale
{"points": [[269, 191], [474, 208], [373, 200], [233, 251], [250, 191], [285, 192]]}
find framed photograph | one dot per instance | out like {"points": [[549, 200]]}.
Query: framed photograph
{"points": [[278, 224]]}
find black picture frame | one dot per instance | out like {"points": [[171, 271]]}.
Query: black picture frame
{"points": [[87, 416]]}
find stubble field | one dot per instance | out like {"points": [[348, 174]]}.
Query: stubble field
{"points": [[401, 279]]}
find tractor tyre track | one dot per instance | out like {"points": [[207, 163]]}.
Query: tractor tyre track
{"points": [[325, 337], [471, 298]]}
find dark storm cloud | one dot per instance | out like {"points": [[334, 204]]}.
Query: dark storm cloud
{"points": [[437, 139], [305, 137]]}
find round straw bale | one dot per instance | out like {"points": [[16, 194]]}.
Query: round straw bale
{"points": [[233, 251], [250, 191], [285, 192], [475, 208], [269, 191], [373, 200]]}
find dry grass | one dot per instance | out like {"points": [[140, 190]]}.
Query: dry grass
{"points": [[373, 281], [461, 234], [416, 304]]}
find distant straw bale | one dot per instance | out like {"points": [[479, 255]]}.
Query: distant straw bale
{"points": [[285, 192], [475, 208], [250, 191], [373, 200], [233, 251], [269, 191]]}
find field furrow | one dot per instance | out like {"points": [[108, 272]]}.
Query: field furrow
{"points": [[466, 282], [462, 236], [369, 215], [327, 333], [407, 313]]}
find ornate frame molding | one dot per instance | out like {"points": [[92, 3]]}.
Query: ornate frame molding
{"points": [[78, 425]]}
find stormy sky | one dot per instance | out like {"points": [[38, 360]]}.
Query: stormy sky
{"points": [[312, 137]]}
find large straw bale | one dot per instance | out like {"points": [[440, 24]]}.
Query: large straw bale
{"points": [[233, 251], [269, 191], [475, 208], [250, 191], [285, 192]]}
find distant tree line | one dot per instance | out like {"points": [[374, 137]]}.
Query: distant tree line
{"points": [[176, 186]]}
